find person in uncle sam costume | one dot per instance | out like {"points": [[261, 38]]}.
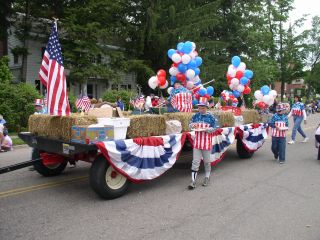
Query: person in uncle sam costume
{"points": [[279, 124], [39, 107], [203, 123], [180, 98], [298, 112]]}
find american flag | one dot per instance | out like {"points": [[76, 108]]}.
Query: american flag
{"points": [[182, 102], [83, 102], [53, 78]]}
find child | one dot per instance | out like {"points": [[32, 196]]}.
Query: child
{"points": [[202, 144], [317, 140], [279, 124]]}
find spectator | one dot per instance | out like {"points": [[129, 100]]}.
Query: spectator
{"points": [[155, 101], [119, 103], [6, 144]]}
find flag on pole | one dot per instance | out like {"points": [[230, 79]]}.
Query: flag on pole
{"points": [[53, 77], [83, 103]]}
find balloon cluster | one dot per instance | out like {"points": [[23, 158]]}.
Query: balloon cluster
{"points": [[239, 77], [226, 95], [202, 92], [264, 97], [159, 80], [186, 63]]}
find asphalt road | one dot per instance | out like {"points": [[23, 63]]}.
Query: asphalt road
{"points": [[247, 199]]}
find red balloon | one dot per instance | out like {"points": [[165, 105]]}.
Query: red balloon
{"points": [[247, 90], [248, 82], [207, 96], [161, 73], [174, 65], [181, 77], [262, 105], [197, 96], [239, 74], [161, 80]]}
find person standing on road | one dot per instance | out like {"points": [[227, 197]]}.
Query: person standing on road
{"points": [[317, 140], [204, 125], [299, 114], [279, 124]]}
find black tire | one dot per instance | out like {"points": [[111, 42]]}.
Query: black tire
{"points": [[43, 169], [187, 146], [99, 172], [242, 151]]}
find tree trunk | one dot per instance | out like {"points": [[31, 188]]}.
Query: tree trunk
{"points": [[24, 62]]}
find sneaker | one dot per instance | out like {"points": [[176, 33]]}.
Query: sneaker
{"points": [[205, 182], [72, 166], [291, 142], [192, 185], [305, 140], [281, 162]]}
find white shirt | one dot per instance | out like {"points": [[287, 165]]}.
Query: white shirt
{"points": [[318, 131]]}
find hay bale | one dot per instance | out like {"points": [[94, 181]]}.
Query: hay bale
{"points": [[251, 116], [57, 127], [225, 119], [146, 125], [182, 117]]}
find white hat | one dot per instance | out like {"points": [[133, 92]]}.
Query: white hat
{"points": [[1, 128]]}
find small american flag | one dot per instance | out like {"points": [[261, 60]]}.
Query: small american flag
{"points": [[83, 103], [53, 78]]}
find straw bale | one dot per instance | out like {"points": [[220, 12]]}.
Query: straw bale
{"points": [[57, 127], [183, 117], [146, 125], [225, 119], [251, 116]]}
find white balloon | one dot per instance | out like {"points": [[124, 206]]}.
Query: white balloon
{"points": [[231, 86], [190, 85], [240, 88], [235, 82], [164, 86], [273, 93], [196, 79], [153, 82], [176, 58], [193, 54], [232, 71], [258, 95], [185, 58], [169, 90], [266, 99], [242, 66], [271, 101], [173, 71], [193, 46], [190, 73]]}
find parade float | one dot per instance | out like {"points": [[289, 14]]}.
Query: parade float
{"points": [[142, 147]]}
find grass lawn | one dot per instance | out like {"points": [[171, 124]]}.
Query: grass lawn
{"points": [[17, 141]]}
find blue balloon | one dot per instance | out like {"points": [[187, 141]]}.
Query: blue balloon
{"points": [[202, 92], [236, 61], [195, 102], [180, 46], [187, 47], [197, 71], [171, 52], [173, 78], [182, 68], [248, 74], [244, 80], [192, 64], [198, 61], [236, 93], [210, 90], [265, 90]]}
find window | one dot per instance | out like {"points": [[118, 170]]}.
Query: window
{"points": [[124, 86], [90, 90], [129, 86], [37, 84], [15, 58]]}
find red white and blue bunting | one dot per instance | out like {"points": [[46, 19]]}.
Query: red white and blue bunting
{"points": [[147, 158]]}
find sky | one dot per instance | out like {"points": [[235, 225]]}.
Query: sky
{"points": [[311, 7]]}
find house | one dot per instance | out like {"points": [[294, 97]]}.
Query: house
{"points": [[296, 87], [36, 48]]}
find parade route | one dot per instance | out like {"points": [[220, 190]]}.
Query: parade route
{"points": [[247, 199]]}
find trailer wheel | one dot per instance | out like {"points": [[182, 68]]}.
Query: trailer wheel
{"points": [[106, 181], [242, 151], [47, 171]]}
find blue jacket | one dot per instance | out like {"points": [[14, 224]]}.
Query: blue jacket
{"points": [[278, 118]]}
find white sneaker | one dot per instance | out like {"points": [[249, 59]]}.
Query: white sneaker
{"points": [[305, 140], [291, 142]]}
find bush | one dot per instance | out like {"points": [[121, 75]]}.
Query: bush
{"points": [[17, 104], [111, 96]]}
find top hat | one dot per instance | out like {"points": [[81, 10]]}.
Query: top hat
{"points": [[280, 107], [38, 102], [203, 101]]}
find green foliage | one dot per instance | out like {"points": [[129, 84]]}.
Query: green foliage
{"points": [[16, 104], [5, 73], [111, 96], [72, 102]]}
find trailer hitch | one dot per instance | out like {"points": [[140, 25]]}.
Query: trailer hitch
{"points": [[18, 166]]}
